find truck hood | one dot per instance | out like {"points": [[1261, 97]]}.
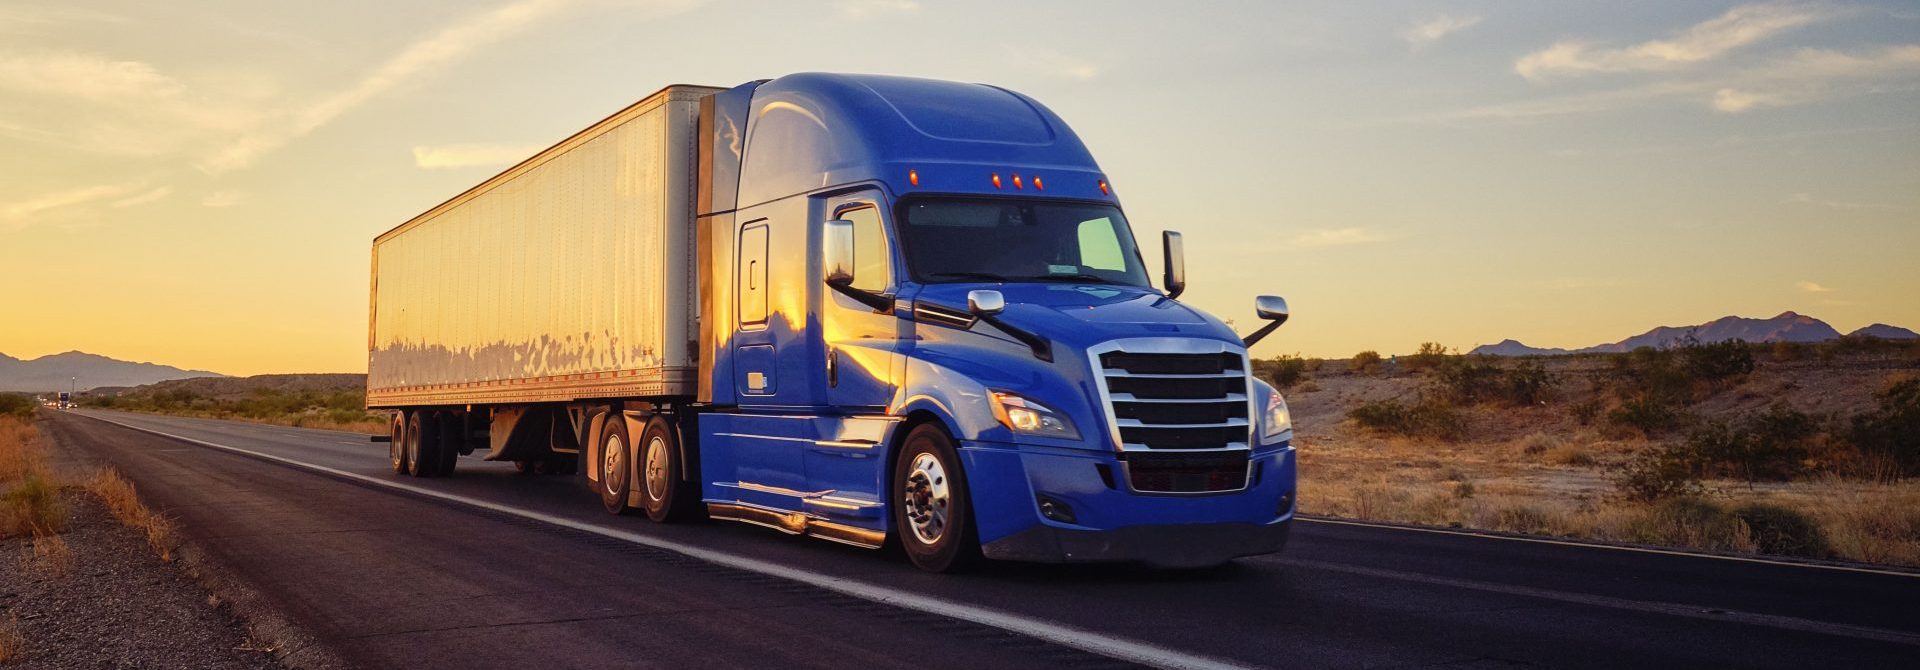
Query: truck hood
{"points": [[1081, 315]]}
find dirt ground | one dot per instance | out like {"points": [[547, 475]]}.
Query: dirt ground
{"points": [[1538, 469]]}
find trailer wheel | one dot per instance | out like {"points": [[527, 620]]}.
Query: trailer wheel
{"points": [[453, 432], [616, 469], [932, 510], [397, 442], [423, 443], [663, 493]]}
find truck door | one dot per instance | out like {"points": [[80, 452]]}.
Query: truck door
{"points": [[862, 346]]}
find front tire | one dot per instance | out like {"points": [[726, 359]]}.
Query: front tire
{"points": [[616, 469], [933, 509]]}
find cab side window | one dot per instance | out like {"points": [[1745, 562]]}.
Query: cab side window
{"points": [[872, 267]]}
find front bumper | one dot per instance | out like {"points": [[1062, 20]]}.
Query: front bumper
{"points": [[1109, 522], [1168, 546]]}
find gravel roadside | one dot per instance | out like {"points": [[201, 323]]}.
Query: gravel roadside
{"points": [[117, 605]]}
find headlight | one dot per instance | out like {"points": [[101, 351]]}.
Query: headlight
{"points": [[1277, 419], [1031, 418]]}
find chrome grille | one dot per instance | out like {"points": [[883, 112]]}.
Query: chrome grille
{"points": [[1176, 400]]}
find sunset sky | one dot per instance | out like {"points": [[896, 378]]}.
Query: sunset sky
{"points": [[198, 183]]}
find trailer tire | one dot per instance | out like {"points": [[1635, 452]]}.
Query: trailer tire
{"points": [[663, 492], [397, 442], [616, 465], [932, 506], [423, 443], [453, 431]]}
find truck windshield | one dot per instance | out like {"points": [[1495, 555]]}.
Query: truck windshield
{"points": [[968, 240]]}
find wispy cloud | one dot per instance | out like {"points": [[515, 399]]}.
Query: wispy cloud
{"points": [[439, 50], [22, 18], [1811, 287], [1338, 237], [1431, 30], [143, 198], [1809, 199], [25, 212], [118, 107], [1051, 62], [1800, 77], [860, 9], [223, 199], [1705, 41], [471, 155]]}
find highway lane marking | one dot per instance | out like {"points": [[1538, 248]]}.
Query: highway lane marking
{"points": [[1615, 547], [1084, 640], [1652, 606]]}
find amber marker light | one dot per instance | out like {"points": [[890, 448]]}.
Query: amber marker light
{"points": [[1103, 187], [913, 177], [996, 180], [1016, 182], [1037, 186]]}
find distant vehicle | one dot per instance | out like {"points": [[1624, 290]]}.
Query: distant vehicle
{"points": [[65, 401], [852, 307]]}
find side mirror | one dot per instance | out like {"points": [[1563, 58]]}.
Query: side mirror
{"points": [[1273, 308], [838, 242], [1176, 259], [985, 302]]}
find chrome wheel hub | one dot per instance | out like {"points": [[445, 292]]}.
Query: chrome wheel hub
{"points": [[657, 469], [926, 499], [612, 458]]}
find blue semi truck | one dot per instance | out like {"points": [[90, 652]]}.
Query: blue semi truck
{"points": [[863, 308]]}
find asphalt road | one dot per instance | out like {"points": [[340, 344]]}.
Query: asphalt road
{"points": [[492, 569]]}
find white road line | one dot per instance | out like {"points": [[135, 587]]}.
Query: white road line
{"points": [[1654, 606], [1112, 647], [1614, 547]]}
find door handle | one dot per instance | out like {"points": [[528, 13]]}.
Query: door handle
{"points": [[833, 367]]}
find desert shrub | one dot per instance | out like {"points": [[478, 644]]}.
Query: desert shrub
{"points": [[1771, 445], [1366, 362], [1535, 444], [1528, 383], [16, 404], [1716, 361], [1779, 530], [1655, 474], [1282, 372], [1648, 373], [1467, 379], [1647, 413], [1586, 411], [1891, 432], [1690, 522], [1788, 351], [1427, 418], [1429, 356]]}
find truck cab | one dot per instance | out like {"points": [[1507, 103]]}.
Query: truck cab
{"points": [[924, 317]]}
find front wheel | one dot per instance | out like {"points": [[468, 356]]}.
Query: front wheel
{"points": [[933, 511]]}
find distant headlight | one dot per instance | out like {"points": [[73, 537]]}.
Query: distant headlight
{"points": [[1031, 418], [1277, 420]]}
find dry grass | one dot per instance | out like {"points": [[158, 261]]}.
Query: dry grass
{"points": [[123, 502], [29, 492], [49, 556], [295, 421], [12, 643]]}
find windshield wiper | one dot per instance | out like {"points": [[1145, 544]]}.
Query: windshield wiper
{"points": [[1092, 279], [987, 276]]}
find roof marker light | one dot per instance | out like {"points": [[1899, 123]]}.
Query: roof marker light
{"points": [[1016, 182], [1037, 185], [913, 177], [996, 180], [1103, 187]]}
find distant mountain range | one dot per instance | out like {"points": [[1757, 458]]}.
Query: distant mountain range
{"points": [[1787, 327], [84, 371]]}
